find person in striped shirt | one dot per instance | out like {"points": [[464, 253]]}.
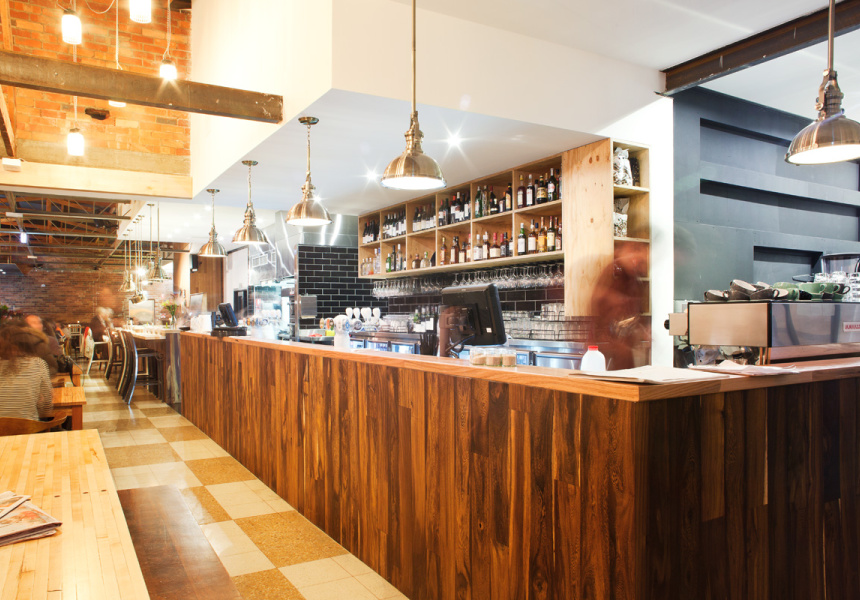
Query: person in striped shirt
{"points": [[25, 382]]}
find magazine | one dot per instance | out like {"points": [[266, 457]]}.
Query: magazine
{"points": [[26, 522], [9, 501]]}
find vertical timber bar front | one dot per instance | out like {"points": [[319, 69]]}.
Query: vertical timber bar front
{"points": [[455, 481]]}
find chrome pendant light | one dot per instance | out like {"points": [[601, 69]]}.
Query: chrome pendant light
{"points": [[128, 280], [249, 233], [156, 273], [832, 137], [413, 170], [309, 212], [212, 248]]}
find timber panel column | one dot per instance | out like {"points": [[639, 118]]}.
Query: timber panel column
{"points": [[209, 280], [589, 245], [182, 269]]}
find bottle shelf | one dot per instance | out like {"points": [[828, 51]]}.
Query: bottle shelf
{"points": [[501, 217], [470, 266], [455, 226], [632, 239], [628, 190], [394, 240], [541, 210], [369, 244]]}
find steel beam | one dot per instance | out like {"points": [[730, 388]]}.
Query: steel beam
{"points": [[778, 41]]}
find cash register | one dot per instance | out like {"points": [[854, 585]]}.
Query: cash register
{"points": [[224, 322]]}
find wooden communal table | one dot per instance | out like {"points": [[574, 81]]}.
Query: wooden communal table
{"points": [[92, 556], [73, 398], [454, 481]]}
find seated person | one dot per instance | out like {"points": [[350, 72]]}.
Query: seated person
{"points": [[51, 350], [99, 328], [25, 381]]}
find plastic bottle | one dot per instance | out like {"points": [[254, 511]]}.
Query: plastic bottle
{"points": [[593, 360]]}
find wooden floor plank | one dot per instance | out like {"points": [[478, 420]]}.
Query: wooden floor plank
{"points": [[176, 558]]}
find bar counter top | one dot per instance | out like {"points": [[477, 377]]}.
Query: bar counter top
{"points": [[560, 379]]}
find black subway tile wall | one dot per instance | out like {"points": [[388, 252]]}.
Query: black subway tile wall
{"points": [[331, 274]]}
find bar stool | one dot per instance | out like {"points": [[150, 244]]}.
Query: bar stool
{"points": [[116, 354], [133, 376], [90, 348], [75, 331]]}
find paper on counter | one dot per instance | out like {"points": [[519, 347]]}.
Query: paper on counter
{"points": [[728, 366], [652, 374]]}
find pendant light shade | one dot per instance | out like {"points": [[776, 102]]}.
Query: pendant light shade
{"points": [[832, 137], [249, 233], [71, 27], [140, 11], [168, 70], [156, 272], [413, 170], [212, 248], [127, 285], [75, 142], [309, 212]]}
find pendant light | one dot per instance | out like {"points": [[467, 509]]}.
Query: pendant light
{"points": [[146, 268], [140, 11], [127, 280], [309, 212], [212, 248], [156, 273], [249, 233], [75, 139], [832, 137], [116, 103], [168, 67], [70, 25], [413, 170]]}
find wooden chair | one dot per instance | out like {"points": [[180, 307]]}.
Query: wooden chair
{"points": [[12, 426], [134, 377], [91, 349], [116, 352]]}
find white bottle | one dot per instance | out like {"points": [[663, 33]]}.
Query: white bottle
{"points": [[593, 360]]}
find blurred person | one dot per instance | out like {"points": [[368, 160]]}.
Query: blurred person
{"points": [[44, 349], [46, 327], [25, 379], [617, 305], [99, 326]]}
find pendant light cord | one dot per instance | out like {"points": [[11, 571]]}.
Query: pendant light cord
{"points": [[831, 28], [309, 152], [414, 67], [213, 209], [169, 31], [116, 39], [249, 186]]}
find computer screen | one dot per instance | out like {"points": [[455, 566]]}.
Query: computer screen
{"points": [[484, 325], [227, 314]]}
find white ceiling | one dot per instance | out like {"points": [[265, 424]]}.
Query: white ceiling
{"points": [[358, 134]]}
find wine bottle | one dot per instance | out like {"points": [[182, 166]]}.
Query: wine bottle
{"points": [[469, 248], [521, 240], [552, 187], [467, 206], [455, 251], [485, 249], [509, 198], [530, 192], [458, 209], [476, 249], [504, 246], [441, 215], [495, 251], [550, 236], [479, 204], [494, 203], [541, 190], [461, 258], [416, 262], [521, 194], [443, 253], [541, 241], [532, 240], [425, 262]]}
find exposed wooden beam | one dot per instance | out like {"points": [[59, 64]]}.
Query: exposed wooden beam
{"points": [[7, 132], [762, 47], [6, 24], [105, 236], [39, 214], [62, 77], [30, 196], [90, 179]]}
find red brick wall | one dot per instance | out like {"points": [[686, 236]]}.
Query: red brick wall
{"points": [[45, 117], [70, 296]]}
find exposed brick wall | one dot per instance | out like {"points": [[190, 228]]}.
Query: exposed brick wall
{"points": [[43, 118], [70, 296]]}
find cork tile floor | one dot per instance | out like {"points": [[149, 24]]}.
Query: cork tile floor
{"points": [[269, 549]]}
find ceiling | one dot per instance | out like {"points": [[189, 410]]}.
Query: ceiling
{"points": [[358, 134]]}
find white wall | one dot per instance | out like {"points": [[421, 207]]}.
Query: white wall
{"points": [[652, 126], [236, 276], [272, 46]]}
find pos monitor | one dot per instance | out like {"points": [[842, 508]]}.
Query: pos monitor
{"points": [[227, 315], [472, 315]]}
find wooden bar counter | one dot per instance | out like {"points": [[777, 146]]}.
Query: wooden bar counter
{"points": [[455, 481]]}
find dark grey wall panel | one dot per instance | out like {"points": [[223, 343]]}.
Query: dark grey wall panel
{"points": [[741, 211]]}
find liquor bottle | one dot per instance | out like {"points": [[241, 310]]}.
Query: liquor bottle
{"points": [[467, 206], [479, 204], [457, 211], [541, 190], [455, 251], [521, 194], [476, 249], [541, 242], [461, 252], [468, 247], [441, 215], [530, 192], [399, 258], [388, 263], [558, 244], [494, 202], [416, 262], [532, 246], [495, 250], [552, 187], [509, 198], [425, 262], [377, 262], [485, 248], [558, 187], [521, 240], [504, 246], [416, 219], [443, 253], [550, 236]]}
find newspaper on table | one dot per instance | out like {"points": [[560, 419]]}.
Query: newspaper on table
{"points": [[22, 520]]}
